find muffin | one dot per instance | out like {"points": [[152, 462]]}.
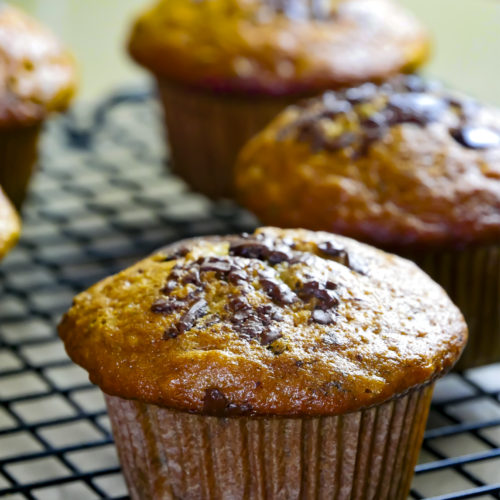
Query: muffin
{"points": [[9, 225], [224, 68], [281, 364], [37, 76], [407, 166]]}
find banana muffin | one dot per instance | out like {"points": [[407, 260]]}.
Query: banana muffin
{"points": [[407, 166], [224, 68], [281, 364], [37, 77], [9, 225]]}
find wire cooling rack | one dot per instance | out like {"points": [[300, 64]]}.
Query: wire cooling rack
{"points": [[101, 200]]}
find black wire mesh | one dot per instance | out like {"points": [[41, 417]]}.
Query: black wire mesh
{"points": [[101, 200]]}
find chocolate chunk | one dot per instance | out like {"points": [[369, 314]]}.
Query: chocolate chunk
{"points": [[162, 306], [340, 142], [237, 276], [415, 83], [332, 250], [214, 402], [335, 106], [414, 107], [187, 320], [267, 312], [476, 137], [219, 266], [363, 93], [374, 127], [269, 335], [181, 252], [278, 292], [169, 287], [251, 328], [250, 250], [233, 409], [281, 254], [323, 317], [327, 298], [193, 277]]}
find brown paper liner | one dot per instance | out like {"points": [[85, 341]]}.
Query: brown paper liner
{"points": [[18, 155], [471, 277], [206, 132], [368, 454]]}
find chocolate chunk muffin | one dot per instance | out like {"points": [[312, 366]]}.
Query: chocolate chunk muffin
{"points": [[407, 166], [281, 364], [37, 77], [9, 225], [224, 68]]}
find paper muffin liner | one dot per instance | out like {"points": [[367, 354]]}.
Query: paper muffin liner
{"points": [[18, 155], [368, 454], [206, 131], [471, 277]]}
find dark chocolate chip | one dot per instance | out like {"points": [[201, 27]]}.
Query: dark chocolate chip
{"points": [[363, 93], [187, 320], [279, 292], [234, 409], [473, 137], [214, 402], [281, 254], [250, 250], [415, 83], [169, 287], [323, 317], [163, 306], [335, 106], [193, 277], [237, 276], [181, 252], [374, 127], [269, 335], [340, 142], [219, 266], [414, 107], [327, 298], [332, 250]]}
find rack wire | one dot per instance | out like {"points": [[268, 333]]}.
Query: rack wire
{"points": [[102, 198]]}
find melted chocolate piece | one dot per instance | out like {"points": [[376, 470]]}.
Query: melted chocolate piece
{"points": [[363, 93], [327, 298], [250, 250], [332, 250], [270, 335], [180, 252], [323, 317], [187, 320], [163, 306], [278, 292], [414, 107], [214, 402], [476, 137], [219, 266]]}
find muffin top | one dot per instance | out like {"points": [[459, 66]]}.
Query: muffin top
{"points": [[404, 163], [10, 225], [280, 322], [279, 46], [37, 75]]}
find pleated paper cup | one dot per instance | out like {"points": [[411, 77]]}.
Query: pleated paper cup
{"points": [[471, 277], [18, 155], [206, 131], [368, 454]]}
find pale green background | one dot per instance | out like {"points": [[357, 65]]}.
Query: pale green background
{"points": [[466, 35]]}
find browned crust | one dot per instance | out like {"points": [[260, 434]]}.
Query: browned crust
{"points": [[10, 225], [230, 46], [37, 75]]}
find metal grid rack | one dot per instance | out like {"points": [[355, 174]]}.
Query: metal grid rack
{"points": [[100, 201]]}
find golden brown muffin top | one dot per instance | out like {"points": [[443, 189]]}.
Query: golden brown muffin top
{"points": [[405, 163], [37, 75], [281, 322], [10, 225], [277, 47]]}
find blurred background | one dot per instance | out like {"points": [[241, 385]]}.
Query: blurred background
{"points": [[465, 34]]}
